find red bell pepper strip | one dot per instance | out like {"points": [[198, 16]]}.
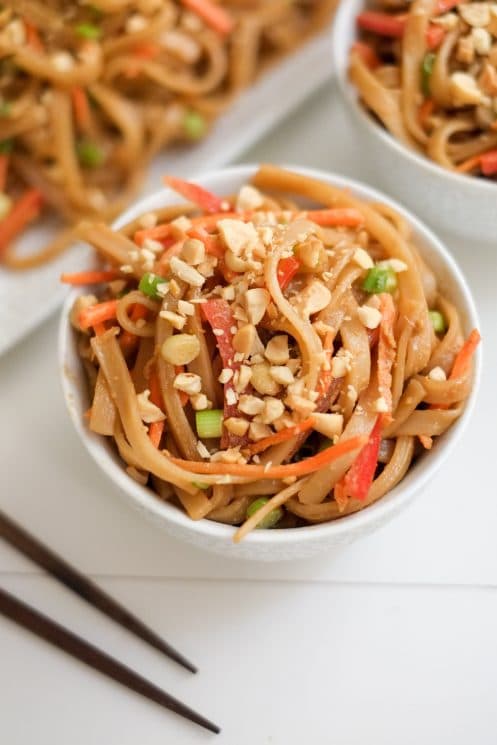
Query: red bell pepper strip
{"points": [[393, 26], [383, 24], [218, 314], [358, 479], [204, 199], [488, 163], [287, 269]]}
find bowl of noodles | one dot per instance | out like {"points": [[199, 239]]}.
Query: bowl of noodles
{"points": [[407, 70], [272, 368]]}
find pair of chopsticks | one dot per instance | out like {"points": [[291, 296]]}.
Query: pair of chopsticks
{"points": [[61, 638]]}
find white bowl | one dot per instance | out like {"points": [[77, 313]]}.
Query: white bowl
{"points": [[459, 204], [270, 545]]}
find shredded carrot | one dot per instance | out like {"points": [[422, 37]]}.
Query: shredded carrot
{"points": [[214, 16], [23, 212], [99, 313], [81, 108], [156, 429], [338, 216], [206, 200], [281, 436], [463, 359], [89, 278], [367, 54], [426, 441], [471, 164], [99, 329], [386, 350], [425, 111], [146, 50], [33, 37], [4, 168], [127, 340], [304, 467]]}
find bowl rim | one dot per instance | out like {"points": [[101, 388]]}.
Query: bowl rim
{"points": [[144, 498], [340, 51]]}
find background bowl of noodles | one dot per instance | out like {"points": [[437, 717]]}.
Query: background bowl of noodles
{"points": [[290, 543], [459, 204]]}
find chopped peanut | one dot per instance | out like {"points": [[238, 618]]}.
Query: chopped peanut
{"points": [[329, 425], [250, 405], [256, 302], [188, 383], [273, 409], [180, 349], [174, 319], [186, 272], [258, 431], [193, 252], [247, 340], [262, 380], [281, 374], [149, 412], [277, 350], [236, 425]]}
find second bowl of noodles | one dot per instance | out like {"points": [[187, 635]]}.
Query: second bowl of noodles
{"points": [[457, 203]]}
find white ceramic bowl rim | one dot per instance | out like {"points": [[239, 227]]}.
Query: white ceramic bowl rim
{"points": [[145, 499], [345, 16]]}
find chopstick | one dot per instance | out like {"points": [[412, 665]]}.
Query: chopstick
{"points": [[74, 645], [85, 588]]}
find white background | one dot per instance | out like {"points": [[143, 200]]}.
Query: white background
{"points": [[391, 640]]}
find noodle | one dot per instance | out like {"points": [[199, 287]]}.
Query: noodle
{"points": [[256, 359], [90, 93], [439, 97]]}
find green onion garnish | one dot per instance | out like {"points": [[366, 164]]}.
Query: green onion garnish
{"points": [[194, 125], [380, 279], [88, 31], [437, 321], [209, 423], [89, 154], [6, 146], [270, 520], [149, 284], [426, 72]]}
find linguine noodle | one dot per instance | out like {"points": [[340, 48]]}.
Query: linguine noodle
{"points": [[279, 357]]}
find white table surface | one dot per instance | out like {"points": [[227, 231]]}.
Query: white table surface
{"points": [[391, 640]]}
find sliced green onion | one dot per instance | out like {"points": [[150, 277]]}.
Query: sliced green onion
{"points": [[270, 520], [201, 485], [380, 279], [5, 108], [5, 205], [437, 321], [194, 125], [209, 423], [89, 154], [89, 31], [149, 284], [6, 146], [426, 72]]}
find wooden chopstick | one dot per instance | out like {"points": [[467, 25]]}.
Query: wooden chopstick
{"points": [[74, 645], [85, 588]]}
